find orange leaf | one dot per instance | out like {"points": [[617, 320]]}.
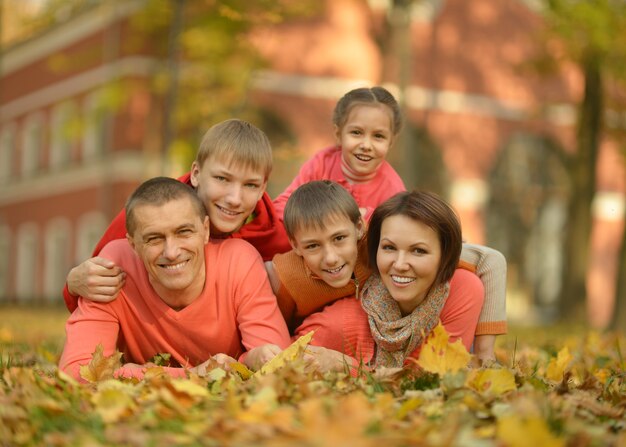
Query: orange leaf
{"points": [[100, 367]]}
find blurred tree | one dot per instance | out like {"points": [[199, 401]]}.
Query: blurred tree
{"points": [[205, 60], [589, 34]]}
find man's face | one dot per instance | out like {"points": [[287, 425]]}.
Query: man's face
{"points": [[230, 193], [331, 252], [169, 239]]}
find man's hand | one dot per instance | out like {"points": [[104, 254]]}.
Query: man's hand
{"points": [[256, 357], [324, 359], [96, 279]]}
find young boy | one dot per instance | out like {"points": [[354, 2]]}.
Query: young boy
{"points": [[315, 284], [230, 175]]}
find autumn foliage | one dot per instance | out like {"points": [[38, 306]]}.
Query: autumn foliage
{"points": [[532, 397]]}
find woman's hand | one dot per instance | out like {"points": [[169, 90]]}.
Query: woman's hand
{"points": [[325, 360], [256, 357]]}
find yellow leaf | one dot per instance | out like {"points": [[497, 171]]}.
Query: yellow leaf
{"points": [[557, 366], [190, 388], [518, 431], [113, 400], [242, 369], [288, 355], [492, 381], [100, 367], [439, 356]]}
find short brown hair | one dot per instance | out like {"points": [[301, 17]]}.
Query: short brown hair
{"points": [[158, 191], [315, 203], [374, 95], [429, 209], [237, 141]]}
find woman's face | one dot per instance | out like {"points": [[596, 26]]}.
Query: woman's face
{"points": [[408, 260]]}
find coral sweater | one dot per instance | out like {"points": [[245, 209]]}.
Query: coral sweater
{"points": [[265, 232], [326, 165], [236, 312]]}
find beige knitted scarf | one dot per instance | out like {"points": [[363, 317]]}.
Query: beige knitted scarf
{"points": [[397, 336]]}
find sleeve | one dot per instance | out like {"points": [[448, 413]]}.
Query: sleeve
{"points": [[89, 325], [490, 266], [460, 313], [308, 172], [116, 230], [258, 317]]}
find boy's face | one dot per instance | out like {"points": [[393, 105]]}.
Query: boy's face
{"points": [[229, 193], [330, 252]]}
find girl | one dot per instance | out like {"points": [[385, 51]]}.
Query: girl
{"points": [[366, 121]]}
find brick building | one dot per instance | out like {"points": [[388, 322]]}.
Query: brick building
{"points": [[467, 96]]}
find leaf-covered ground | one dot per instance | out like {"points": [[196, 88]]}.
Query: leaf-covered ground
{"points": [[551, 388]]}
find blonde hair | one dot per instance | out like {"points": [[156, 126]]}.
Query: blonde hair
{"points": [[237, 142]]}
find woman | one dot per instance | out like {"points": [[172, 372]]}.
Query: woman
{"points": [[414, 243]]}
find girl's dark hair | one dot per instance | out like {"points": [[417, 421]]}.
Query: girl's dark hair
{"points": [[432, 211], [374, 95]]}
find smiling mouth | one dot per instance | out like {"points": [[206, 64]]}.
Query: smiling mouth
{"points": [[402, 279], [174, 267], [335, 270], [227, 211], [363, 157]]}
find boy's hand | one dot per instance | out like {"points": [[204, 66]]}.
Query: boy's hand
{"points": [[324, 359], [256, 357], [217, 361], [96, 279]]}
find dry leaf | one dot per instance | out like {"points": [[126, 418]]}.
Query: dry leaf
{"points": [[492, 381], [557, 366], [289, 354], [100, 367], [439, 356]]}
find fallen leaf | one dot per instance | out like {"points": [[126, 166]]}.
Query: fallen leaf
{"points": [[288, 355], [100, 367], [439, 356], [557, 366], [492, 382]]}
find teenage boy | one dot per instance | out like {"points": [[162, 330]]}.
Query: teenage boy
{"points": [[329, 263], [183, 295], [229, 175]]}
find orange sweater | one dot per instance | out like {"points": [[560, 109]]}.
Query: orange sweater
{"points": [[236, 312]]}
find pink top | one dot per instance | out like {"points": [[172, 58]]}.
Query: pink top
{"points": [[343, 325], [326, 165], [236, 311]]}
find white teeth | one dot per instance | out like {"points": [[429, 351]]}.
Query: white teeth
{"points": [[363, 157], [178, 266], [402, 279], [226, 211], [334, 270]]}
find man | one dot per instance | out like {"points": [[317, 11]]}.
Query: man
{"points": [[183, 295]]}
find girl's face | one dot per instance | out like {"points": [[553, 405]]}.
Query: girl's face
{"points": [[408, 260], [366, 137]]}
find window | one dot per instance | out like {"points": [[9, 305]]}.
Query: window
{"points": [[57, 258], [91, 227], [27, 254], [94, 131], [32, 145], [7, 149], [61, 131], [5, 264]]}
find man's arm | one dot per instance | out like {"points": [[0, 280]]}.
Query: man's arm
{"points": [[259, 320]]}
